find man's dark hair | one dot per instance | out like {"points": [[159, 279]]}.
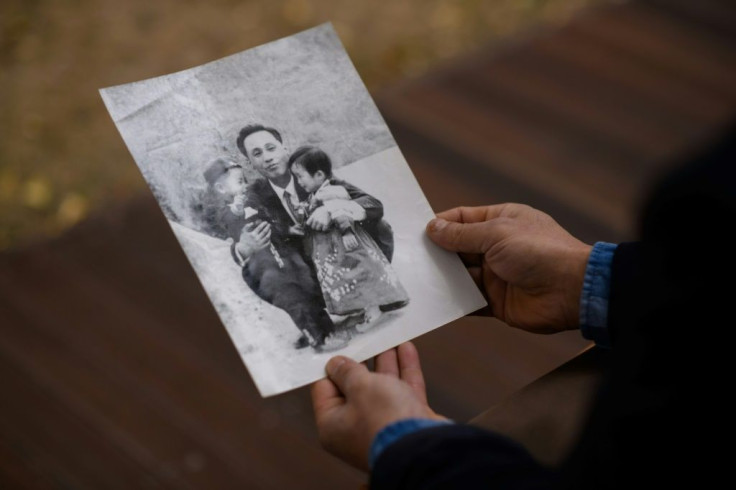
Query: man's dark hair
{"points": [[254, 128], [312, 159]]}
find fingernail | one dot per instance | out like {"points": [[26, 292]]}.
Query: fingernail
{"points": [[436, 225], [333, 364]]}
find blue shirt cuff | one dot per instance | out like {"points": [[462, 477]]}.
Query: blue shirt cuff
{"points": [[595, 295], [393, 432]]}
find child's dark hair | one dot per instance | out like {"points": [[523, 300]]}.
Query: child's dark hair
{"points": [[312, 159]]}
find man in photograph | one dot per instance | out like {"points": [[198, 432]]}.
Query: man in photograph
{"points": [[280, 196]]}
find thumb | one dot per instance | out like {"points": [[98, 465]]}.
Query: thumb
{"points": [[473, 238], [346, 373]]}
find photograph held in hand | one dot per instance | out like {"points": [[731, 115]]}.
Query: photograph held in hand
{"points": [[294, 206]]}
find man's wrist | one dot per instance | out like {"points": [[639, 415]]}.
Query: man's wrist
{"points": [[243, 251], [576, 268], [396, 430], [595, 294]]}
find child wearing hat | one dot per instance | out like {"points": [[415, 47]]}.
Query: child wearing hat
{"points": [[277, 273]]}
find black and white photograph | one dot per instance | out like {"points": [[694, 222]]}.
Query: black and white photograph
{"points": [[294, 206]]}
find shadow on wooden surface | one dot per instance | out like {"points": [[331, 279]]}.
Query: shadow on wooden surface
{"points": [[117, 373]]}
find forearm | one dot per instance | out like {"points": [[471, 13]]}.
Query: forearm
{"points": [[457, 456], [372, 206], [345, 209], [393, 432], [594, 298], [240, 253], [633, 290]]}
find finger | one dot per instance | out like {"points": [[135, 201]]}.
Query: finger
{"points": [[473, 214], [410, 370], [262, 226], [346, 373], [388, 363], [325, 396], [260, 240], [266, 232], [474, 238]]}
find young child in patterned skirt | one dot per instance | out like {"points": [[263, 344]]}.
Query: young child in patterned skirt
{"points": [[355, 276]]}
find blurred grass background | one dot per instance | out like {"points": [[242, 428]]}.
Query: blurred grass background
{"points": [[60, 155]]}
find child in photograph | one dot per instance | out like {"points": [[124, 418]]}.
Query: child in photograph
{"points": [[223, 202], [275, 273], [355, 276]]}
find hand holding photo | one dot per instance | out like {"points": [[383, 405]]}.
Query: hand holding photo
{"points": [[294, 205]]}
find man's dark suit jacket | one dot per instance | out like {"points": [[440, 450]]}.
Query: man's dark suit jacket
{"points": [[261, 196], [292, 285], [663, 406]]}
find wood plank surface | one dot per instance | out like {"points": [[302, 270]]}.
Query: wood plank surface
{"points": [[118, 374]]}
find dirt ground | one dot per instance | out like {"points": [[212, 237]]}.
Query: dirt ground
{"points": [[60, 155]]}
